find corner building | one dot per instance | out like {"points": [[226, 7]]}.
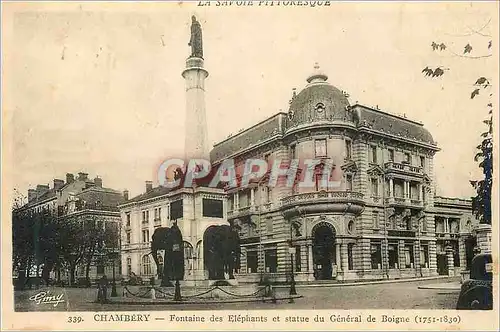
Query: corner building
{"points": [[383, 222]]}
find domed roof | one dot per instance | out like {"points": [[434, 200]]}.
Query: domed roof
{"points": [[319, 101]]}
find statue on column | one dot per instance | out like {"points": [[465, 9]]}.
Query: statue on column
{"points": [[196, 41]]}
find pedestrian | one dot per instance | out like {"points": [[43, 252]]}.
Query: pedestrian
{"points": [[103, 289]]}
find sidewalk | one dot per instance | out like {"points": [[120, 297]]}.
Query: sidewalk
{"points": [[334, 283], [449, 286]]}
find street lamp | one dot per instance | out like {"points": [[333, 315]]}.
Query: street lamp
{"points": [[292, 251], [113, 286], [177, 295]]}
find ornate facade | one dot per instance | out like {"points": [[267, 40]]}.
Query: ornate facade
{"points": [[383, 222]]}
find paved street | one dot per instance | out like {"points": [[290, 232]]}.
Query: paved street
{"points": [[405, 295]]}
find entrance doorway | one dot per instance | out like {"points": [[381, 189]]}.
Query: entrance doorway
{"points": [[442, 264], [323, 250]]}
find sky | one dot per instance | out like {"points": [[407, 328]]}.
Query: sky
{"points": [[97, 87]]}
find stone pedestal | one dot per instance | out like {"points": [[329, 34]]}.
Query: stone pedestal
{"points": [[483, 236]]}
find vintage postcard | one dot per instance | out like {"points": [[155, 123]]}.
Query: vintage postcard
{"points": [[250, 165]]}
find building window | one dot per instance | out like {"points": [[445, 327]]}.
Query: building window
{"points": [[298, 259], [376, 255], [373, 154], [424, 224], [348, 180], [292, 151], [213, 208], [375, 187], [271, 260], [128, 237], [348, 149], [350, 258], [375, 219], [129, 266], [407, 158], [146, 265], [145, 217], [409, 256], [158, 214], [160, 265], [252, 260], [269, 226], [176, 210], [424, 255], [393, 255], [422, 161], [128, 219], [391, 155], [320, 147], [145, 236], [100, 268]]}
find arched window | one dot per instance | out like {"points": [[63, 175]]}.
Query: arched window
{"points": [[198, 255], [146, 265], [188, 255], [160, 264], [129, 266], [188, 250]]}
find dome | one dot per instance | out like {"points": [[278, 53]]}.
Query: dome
{"points": [[319, 101]]}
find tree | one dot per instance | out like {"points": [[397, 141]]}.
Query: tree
{"points": [[481, 203]]}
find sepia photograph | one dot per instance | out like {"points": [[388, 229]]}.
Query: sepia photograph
{"points": [[241, 162]]}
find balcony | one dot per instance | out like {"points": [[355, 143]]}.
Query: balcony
{"points": [[406, 202], [324, 201], [242, 211], [447, 236], [401, 233], [392, 167]]}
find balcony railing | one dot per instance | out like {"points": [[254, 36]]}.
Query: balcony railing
{"points": [[404, 201], [340, 196], [403, 168], [401, 233], [447, 235]]}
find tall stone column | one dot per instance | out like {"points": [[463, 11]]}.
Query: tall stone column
{"points": [[196, 140], [252, 196], [449, 257], [391, 188], [344, 257], [310, 262], [433, 258], [483, 233], [462, 254], [338, 261]]}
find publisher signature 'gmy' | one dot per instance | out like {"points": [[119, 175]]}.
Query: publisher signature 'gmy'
{"points": [[44, 298]]}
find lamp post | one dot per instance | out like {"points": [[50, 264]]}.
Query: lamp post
{"points": [[113, 286], [292, 250], [177, 294]]}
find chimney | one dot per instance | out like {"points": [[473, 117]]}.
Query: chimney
{"points": [[98, 182], [82, 176], [31, 195], [125, 194], [58, 184], [41, 189], [70, 178], [149, 186]]}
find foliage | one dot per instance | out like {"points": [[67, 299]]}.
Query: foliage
{"points": [[481, 203], [42, 239]]}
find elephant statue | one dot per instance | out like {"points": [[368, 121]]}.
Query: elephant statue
{"points": [[170, 240], [221, 251]]}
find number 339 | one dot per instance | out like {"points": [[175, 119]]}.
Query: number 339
{"points": [[75, 319]]}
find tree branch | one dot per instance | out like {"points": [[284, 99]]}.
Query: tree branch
{"points": [[472, 31], [471, 56]]}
